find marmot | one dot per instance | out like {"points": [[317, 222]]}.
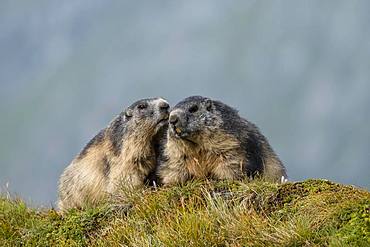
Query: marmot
{"points": [[207, 138], [124, 153]]}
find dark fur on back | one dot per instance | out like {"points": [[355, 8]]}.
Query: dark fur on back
{"points": [[95, 141], [116, 134], [247, 133]]}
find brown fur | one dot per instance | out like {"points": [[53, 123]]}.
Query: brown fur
{"points": [[220, 157], [99, 170], [273, 170]]}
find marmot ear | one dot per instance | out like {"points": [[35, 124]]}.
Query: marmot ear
{"points": [[128, 113], [209, 104]]}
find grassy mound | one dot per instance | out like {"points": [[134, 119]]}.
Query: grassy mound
{"points": [[208, 213]]}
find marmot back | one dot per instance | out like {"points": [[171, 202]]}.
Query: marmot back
{"points": [[208, 138], [123, 154]]}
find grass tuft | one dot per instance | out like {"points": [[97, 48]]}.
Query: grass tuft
{"points": [[202, 213]]}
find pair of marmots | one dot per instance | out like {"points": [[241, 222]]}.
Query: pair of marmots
{"points": [[198, 138]]}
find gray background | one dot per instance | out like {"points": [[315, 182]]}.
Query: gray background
{"points": [[299, 69]]}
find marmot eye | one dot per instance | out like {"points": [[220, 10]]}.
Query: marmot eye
{"points": [[193, 109], [142, 106]]}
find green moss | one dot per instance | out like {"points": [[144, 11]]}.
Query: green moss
{"points": [[289, 192], [21, 226], [202, 213], [73, 229], [354, 223]]}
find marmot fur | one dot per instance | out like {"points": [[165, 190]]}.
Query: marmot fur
{"points": [[123, 154], [207, 138]]}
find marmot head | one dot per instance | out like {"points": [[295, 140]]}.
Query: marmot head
{"points": [[142, 121], [194, 117], [143, 118], [147, 114]]}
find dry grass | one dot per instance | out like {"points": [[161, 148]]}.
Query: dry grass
{"points": [[203, 213]]}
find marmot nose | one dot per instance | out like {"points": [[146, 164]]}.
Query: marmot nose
{"points": [[174, 119], [163, 105]]}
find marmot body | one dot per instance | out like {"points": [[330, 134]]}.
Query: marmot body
{"points": [[124, 154], [207, 138]]}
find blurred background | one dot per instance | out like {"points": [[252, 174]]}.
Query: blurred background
{"points": [[300, 70]]}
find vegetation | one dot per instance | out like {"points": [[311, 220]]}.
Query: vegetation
{"points": [[202, 213]]}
